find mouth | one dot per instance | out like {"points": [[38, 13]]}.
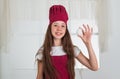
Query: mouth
{"points": [[58, 33]]}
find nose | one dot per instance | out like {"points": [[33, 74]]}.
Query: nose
{"points": [[59, 28]]}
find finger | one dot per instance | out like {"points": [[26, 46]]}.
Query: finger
{"points": [[83, 32], [85, 28], [79, 31], [80, 36]]}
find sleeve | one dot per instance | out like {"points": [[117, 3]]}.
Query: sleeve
{"points": [[76, 51], [39, 54]]}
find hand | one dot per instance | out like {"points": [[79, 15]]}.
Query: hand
{"points": [[86, 34]]}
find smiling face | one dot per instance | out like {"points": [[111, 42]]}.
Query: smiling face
{"points": [[58, 29]]}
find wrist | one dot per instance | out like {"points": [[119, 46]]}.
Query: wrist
{"points": [[88, 43]]}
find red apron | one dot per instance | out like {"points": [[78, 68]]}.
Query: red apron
{"points": [[60, 64]]}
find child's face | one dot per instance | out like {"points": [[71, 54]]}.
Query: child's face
{"points": [[58, 29]]}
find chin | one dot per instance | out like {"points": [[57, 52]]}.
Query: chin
{"points": [[58, 37]]}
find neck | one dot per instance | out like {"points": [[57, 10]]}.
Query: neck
{"points": [[57, 42]]}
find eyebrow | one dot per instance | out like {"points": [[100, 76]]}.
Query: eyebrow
{"points": [[58, 23], [55, 23]]}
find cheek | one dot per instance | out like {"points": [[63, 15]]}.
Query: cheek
{"points": [[53, 28], [64, 31], [53, 31]]}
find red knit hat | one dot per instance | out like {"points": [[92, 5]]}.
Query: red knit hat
{"points": [[56, 13]]}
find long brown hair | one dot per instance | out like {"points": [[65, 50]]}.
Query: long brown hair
{"points": [[48, 69]]}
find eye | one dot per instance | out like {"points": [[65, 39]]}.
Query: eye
{"points": [[63, 25], [55, 25]]}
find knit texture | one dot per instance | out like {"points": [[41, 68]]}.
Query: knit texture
{"points": [[58, 13]]}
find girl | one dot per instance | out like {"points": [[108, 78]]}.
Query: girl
{"points": [[56, 56]]}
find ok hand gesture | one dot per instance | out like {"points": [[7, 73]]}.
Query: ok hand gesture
{"points": [[86, 34]]}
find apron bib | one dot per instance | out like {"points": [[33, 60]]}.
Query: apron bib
{"points": [[60, 64]]}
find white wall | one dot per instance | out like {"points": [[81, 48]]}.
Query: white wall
{"points": [[0, 66], [110, 58]]}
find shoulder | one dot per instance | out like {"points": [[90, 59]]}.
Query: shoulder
{"points": [[76, 51], [39, 54], [40, 50]]}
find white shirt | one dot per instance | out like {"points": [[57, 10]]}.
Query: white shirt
{"points": [[57, 51]]}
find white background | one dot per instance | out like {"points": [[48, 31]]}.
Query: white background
{"points": [[18, 62]]}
